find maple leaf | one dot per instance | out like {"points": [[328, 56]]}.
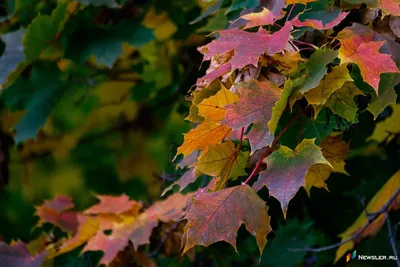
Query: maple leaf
{"points": [[341, 102], [222, 160], [280, 106], [375, 204], [187, 178], [112, 204], [366, 55], [18, 255], [213, 108], [55, 212], [334, 150], [217, 216], [287, 62], [329, 84], [168, 210], [256, 100], [198, 96], [265, 17], [88, 227], [247, 46], [287, 170], [385, 130], [317, 24], [314, 70], [387, 94], [390, 7], [206, 133]]}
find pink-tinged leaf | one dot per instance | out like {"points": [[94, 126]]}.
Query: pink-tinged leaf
{"points": [[55, 212], [265, 17], [287, 170], [187, 178], [259, 136], [317, 24], [368, 58], [390, 7], [19, 256], [170, 209], [217, 216], [111, 204], [256, 100], [247, 46], [211, 76]]}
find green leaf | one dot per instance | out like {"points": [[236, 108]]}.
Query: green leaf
{"points": [[293, 234], [37, 95], [308, 128], [208, 12], [43, 30], [217, 22], [92, 41], [314, 70], [387, 94], [240, 5], [107, 3]]}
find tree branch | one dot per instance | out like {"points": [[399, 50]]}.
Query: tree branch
{"points": [[392, 238], [371, 218]]}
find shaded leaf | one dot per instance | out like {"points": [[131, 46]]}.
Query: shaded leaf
{"points": [[213, 217], [329, 84], [287, 170], [112, 204], [186, 179], [18, 255], [13, 53], [314, 70]]}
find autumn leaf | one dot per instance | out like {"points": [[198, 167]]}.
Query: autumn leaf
{"points": [[198, 96], [18, 255], [247, 46], [112, 204], [287, 170], [265, 17], [213, 108], [217, 216], [375, 205], [55, 212], [287, 62], [366, 55], [256, 100], [222, 160], [88, 227], [385, 130], [168, 210], [329, 84], [186, 179], [206, 133], [317, 24], [334, 150]]}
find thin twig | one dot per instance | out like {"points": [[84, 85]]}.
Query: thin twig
{"points": [[371, 218], [391, 239], [290, 12], [266, 153]]}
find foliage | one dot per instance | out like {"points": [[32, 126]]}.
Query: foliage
{"points": [[291, 130]]}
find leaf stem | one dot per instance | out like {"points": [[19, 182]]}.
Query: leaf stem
{"points": [[266, 153], [241, 140], [290, 12]]}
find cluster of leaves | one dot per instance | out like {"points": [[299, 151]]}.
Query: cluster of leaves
{"points": [[295, 93]]}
